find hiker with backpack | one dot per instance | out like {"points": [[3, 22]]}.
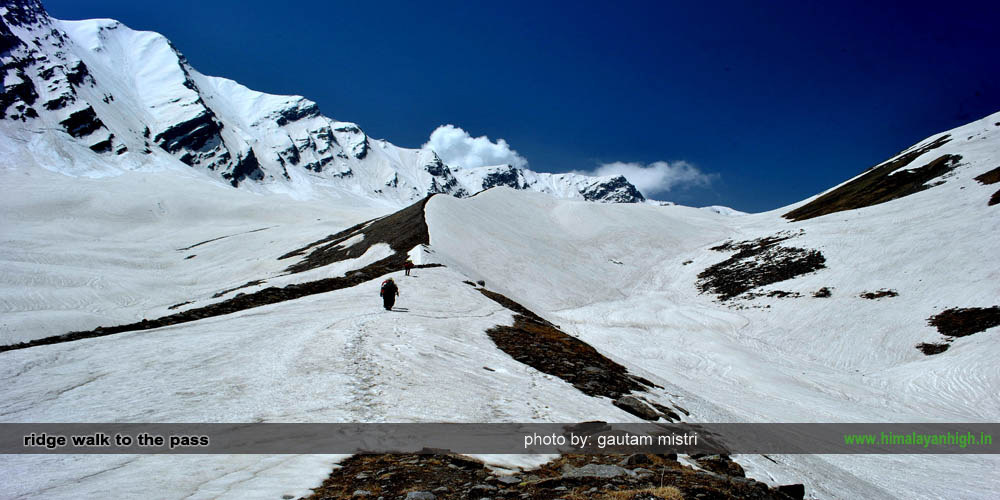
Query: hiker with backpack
{"points": [[388, 293], [407, 266]]}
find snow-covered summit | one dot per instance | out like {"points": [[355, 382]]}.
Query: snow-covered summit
{"points": [[610, 188], [106, 98]]}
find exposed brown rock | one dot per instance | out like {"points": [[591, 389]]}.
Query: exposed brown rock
{"points": [[878, 186], [451, 477], [757, 263]]}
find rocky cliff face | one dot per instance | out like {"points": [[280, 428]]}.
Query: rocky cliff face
{"points": [[39, 76], [132, 95]]}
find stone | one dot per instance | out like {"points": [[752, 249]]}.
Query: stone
{"points": [[596, 470], [721, 464], [420, 495], [481, 489], [636, 407], [636, 459], [796, 491]]}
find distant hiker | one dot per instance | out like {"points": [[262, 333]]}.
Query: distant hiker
{"points": [[407, 266], [388, 293]]}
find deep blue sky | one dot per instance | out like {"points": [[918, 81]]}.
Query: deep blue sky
{"points": [[781, 102]]}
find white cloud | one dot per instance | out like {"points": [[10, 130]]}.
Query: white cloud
{"points": [[459, 149], [657, 177]]}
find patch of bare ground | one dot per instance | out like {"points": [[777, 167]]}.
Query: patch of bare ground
{"points": [[781, 294], [823, 293], [931, 349], [245, 285], [878, 294], [991, 177], [570, 477], [543, 346], [960, 322], [273, 295], [757, 263], [402, 231], [882, 183], [539, 344], [965, 321]]}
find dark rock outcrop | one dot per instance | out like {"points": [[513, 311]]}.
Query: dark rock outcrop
{"points": [[82, 123], [104, 146], [304, 109], [757, 263], [190, 135], [507, 176], [636, 407], [25, 12], [21, 94], [878, 186], [598, 477], [444, 181], [615, 190], [543, 346], [247, 167], [78, 74], [960, 322]]}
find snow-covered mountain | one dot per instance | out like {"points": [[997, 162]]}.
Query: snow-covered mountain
{"points": [[109, 98], [615, 189], [134, 291], [830, 310]]}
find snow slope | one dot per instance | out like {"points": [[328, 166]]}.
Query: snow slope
{"points": [[79, 253], [333, 357], [95, 238], [838, 359], [617, 276]]}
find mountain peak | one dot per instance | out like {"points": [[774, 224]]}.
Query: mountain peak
{"points": [[123, 99]]}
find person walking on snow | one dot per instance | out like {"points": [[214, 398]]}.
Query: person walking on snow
{"points": [[407, 266], [388, 293]]}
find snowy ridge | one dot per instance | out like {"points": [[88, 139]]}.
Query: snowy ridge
{"points": [[613, 188], [619, 277], [138, 235], [134, 101]]}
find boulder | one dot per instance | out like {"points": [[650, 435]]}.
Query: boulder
{"points": [[637, 407]]}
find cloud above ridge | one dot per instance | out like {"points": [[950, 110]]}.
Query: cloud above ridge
{"points": [[656, 177], [459, 149]]}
